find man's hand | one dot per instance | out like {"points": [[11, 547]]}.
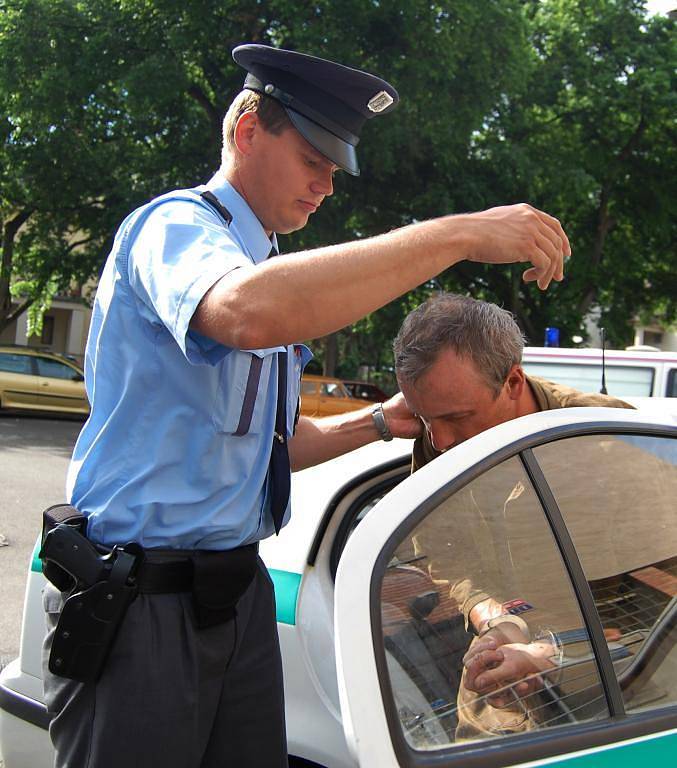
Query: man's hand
{"points": [[400, 420], [521, 233], [506, 672]]}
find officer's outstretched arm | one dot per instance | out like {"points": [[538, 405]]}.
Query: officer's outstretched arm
{"points": [[307, 295]]}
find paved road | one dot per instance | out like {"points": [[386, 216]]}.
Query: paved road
{"points": [[34, 455]]}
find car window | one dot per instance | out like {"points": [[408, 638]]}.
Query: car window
{"points": [[13, 363], [621, 380], [54, 369], [308, 387], [362, 505], [489, 550], [331, 389], [620, 514], [672, 383]]}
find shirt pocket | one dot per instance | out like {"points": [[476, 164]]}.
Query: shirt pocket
{"points": [[243, 391]]}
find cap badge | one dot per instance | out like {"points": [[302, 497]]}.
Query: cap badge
{"points": [[381, 101]]}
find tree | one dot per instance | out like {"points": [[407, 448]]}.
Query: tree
{"points": [[108, 103], [563, 103], [591, 138]]}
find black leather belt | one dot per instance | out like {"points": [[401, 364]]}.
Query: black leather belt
{"points": [[177, 574], [162, 578]]}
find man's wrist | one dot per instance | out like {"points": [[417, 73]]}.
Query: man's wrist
{"points": [[380, 422], [513, 628]]}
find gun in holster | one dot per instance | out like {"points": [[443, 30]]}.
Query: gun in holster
{"points": [[102, 586]]}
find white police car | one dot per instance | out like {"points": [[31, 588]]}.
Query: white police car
{"points": [[567, 519]]}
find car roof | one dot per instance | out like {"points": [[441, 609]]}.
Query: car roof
{"points": [[318, 377], [23, 349], [594, 354]]}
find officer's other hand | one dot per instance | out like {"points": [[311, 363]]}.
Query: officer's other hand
{"points": [[520, 233], [400, 420]]}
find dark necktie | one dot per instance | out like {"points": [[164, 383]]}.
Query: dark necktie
{"points": [[279, 469]]}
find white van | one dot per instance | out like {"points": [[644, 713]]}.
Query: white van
{"points": [[641, 373]]}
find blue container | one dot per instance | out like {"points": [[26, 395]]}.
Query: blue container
{"points": [[551, 337]]}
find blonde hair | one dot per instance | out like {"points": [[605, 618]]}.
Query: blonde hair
{"points": [[271, 113]]}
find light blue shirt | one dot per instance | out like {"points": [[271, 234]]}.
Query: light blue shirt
{"points": [[176, 450]]}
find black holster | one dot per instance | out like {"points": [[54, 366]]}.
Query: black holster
{"points": [[60, 514], [219, 581], [102, 585], [90, 620]]}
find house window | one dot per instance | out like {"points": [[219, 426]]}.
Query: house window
{"points": [[47, 337]]}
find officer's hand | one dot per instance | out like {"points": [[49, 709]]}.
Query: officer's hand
{"points": [[400, 420], [520, 233]]}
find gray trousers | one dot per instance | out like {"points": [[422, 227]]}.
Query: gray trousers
{"points": [[173, 696]]}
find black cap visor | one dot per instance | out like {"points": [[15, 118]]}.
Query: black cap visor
{"points": [[337, 150]]}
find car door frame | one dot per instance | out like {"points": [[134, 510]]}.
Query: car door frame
{"points": [[474, 459]]}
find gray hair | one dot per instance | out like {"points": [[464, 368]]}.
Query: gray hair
{"points": [[477, 330]]}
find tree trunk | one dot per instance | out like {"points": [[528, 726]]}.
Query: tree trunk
{"points": [[9, 231], [330, 354], [604, 224]]}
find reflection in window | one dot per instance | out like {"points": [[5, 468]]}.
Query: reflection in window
{"points": [[54, 369], [483, 567], [11, 363], [333, 390], [621, 512]]}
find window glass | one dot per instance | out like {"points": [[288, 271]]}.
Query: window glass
{"points": [[47, 337], [332, 389], [54, 369], [672, 383], [621, 380], [12, 363], [308, 387], [485, 561], [620, 512]]}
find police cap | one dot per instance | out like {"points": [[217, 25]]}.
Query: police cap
{"points": [[327, 103]]}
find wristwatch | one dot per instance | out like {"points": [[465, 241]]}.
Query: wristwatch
{"points": [[380, 422]]}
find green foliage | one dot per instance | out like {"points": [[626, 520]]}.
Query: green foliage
{"points": [[567, 104]]}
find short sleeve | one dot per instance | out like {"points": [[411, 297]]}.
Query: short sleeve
{"points": [[180, 251]]}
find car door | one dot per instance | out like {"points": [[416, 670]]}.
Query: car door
{"points": [[18, 382], [566, 521], [60, 386]]}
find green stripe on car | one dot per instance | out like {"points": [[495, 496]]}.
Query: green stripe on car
{"points": [[656, 749], [286, 586], [286, 593]]}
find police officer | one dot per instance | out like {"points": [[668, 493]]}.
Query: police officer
{"points": [[193, 369]]}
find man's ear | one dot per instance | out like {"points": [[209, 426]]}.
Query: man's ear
{"points": [[245, 131], [515, 382]]}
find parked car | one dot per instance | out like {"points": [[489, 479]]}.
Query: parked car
{"points": [[566, 517], [628, 372], [324, 396], [366, 391], [36, 380]]}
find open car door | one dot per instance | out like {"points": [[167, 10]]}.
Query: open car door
{"points": [[560, 526]]}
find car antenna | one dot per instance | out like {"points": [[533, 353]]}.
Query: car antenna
{"points": [[603, 389]]}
